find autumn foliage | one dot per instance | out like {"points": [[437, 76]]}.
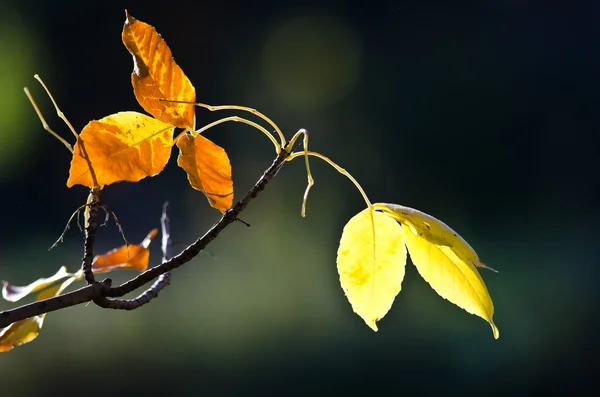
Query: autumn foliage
{"points": [[130, 146]]}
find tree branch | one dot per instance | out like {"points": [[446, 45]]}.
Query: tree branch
{"points": [[102, 289], [162, 281]]}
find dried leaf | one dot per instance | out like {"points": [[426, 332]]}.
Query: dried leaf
{"points": [[156, 76], [445, 260], [208, 169], [371, 259], [13, 293], [125, 146], [134, 257], [25, 331]]}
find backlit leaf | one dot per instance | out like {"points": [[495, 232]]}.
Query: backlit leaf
{"points": [[436, 232], [125, 146], [13, 293], [445, 261], [208, 169], [134, 257], [371, 259], [156, 76], [25, 331]]}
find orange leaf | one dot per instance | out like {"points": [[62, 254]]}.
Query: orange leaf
{"points": [[125, 146], [125, 257], [156, 76], [24, 331], [208, 169]]}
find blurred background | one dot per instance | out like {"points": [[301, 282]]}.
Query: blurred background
{"points": [[483, 114]]}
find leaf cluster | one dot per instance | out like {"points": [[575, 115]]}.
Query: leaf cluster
{"points": [[130, 146]]}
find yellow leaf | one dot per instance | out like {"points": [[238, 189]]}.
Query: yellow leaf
{"points": [[435, 231], [156, 76], [25, 331], [371, 260], [125, 146], [208, 169], [13, 293], [131, 256], [444, 260]]}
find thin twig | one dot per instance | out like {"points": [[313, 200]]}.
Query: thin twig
{"points": [[91, 226], [152, 291], [68, 226]]}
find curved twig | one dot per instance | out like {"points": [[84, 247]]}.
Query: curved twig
{"points": [[162, 281]]}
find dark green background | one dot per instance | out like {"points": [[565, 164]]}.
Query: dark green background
{"points": [[482, 113]]}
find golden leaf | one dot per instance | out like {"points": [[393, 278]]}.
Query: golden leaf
{"points": [[131, 256], [125, 146], [208, 169], [156, 76], [371, 259]]}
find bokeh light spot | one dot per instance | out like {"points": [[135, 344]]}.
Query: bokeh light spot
{"points": [[312, 60]]}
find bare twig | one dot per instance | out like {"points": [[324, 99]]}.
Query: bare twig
{"points": [[97, 290], [68, 226], [162, 281]]}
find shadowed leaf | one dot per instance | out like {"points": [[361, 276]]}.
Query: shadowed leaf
{"points": [[25, 331], [13, 293], [208, 169], [125, 146], [156, 76], [134, 257]]}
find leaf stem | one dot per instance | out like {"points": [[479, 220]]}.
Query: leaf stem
{"points": [[44, 123], [311, 181], [58, 111], [245, 121], [334, 165], [249, 110]]}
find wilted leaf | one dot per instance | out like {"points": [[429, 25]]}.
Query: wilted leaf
{"points": [[27, 330], [156, 76], [371, 260], [13, 293], [134, 257], [125, 146], [208, 169], [445, 261]]}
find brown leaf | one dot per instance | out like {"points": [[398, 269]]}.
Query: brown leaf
{"points": [[208, 169], [134, 257], [156, 76], [125, 146], [24, 331]]}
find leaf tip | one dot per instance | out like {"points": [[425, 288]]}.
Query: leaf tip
{"points": [[495, 330], [373, 324], [128, 18]]}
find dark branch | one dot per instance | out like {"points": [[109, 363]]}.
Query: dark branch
{"points": [[81, 295], [162, 281], [99, 290], [91, 226], [194, 249]]}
